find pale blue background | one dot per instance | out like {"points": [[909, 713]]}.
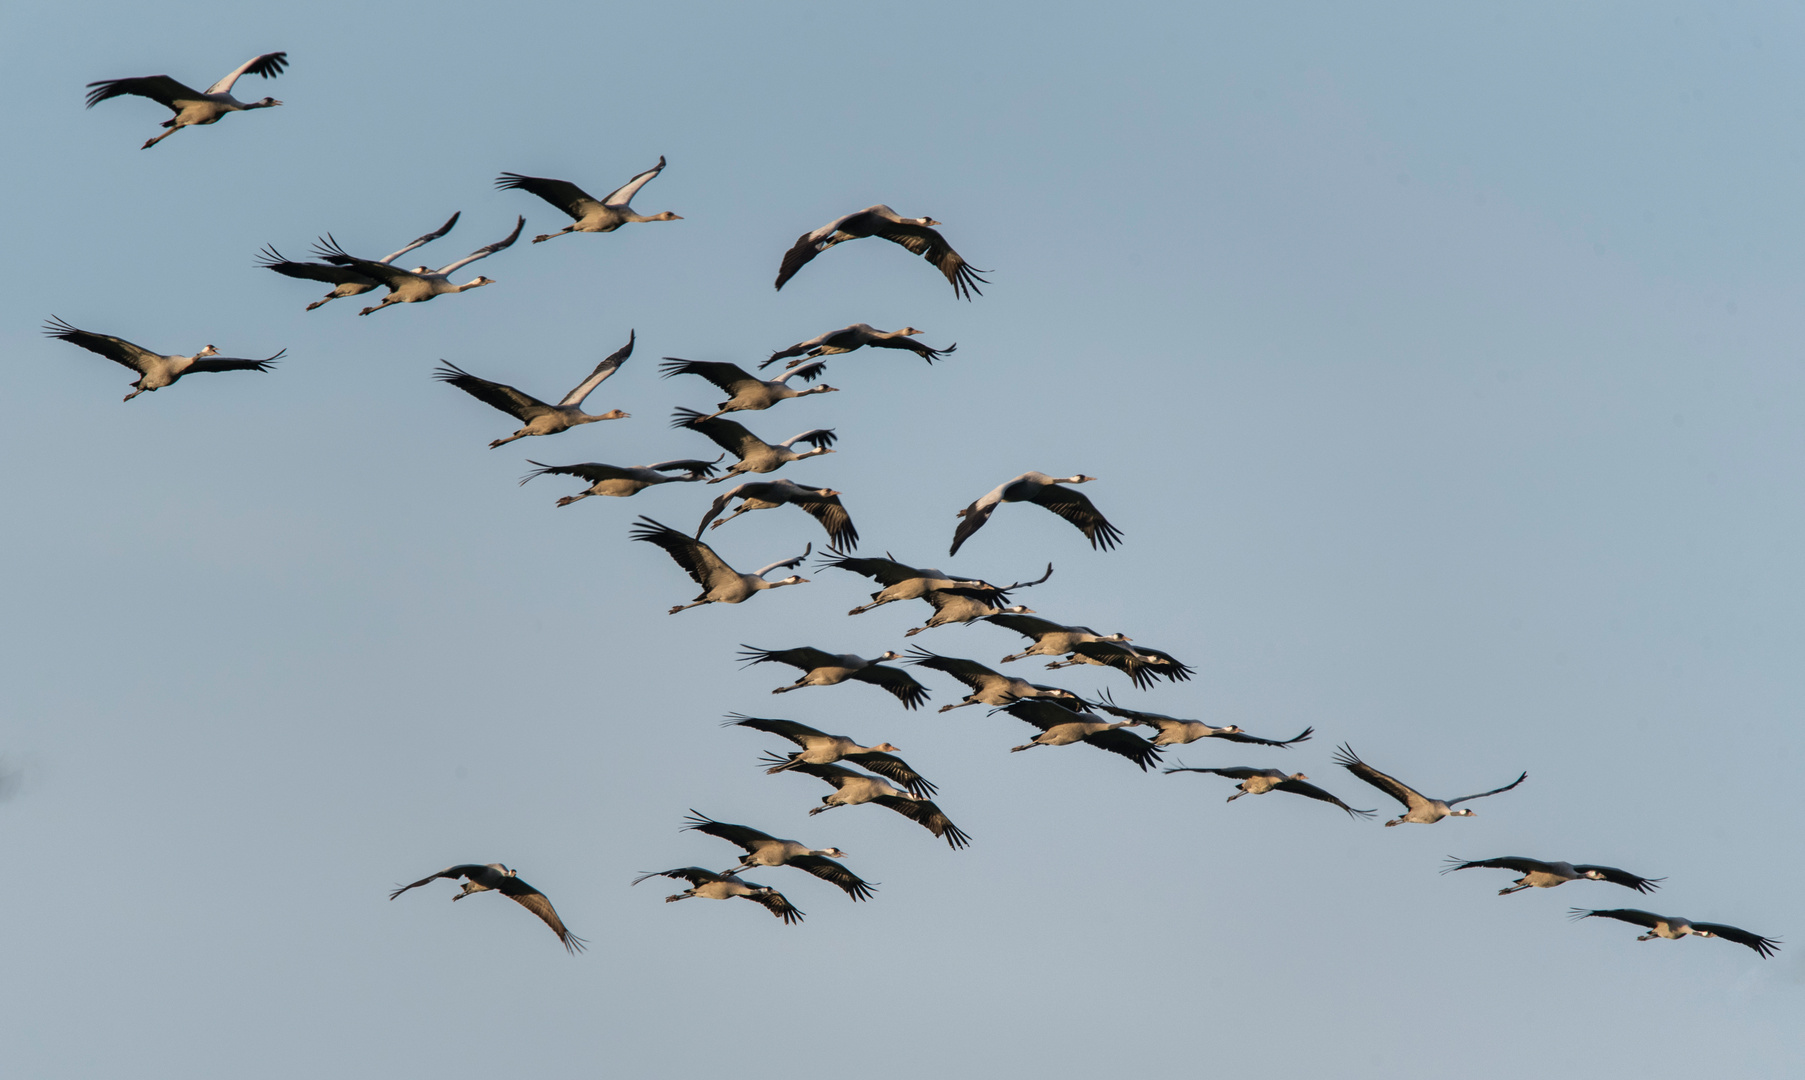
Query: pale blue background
{"points": [[1442, 364]]}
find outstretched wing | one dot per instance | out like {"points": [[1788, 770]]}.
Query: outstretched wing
{"points": [[695, 875], [535, 901], [158, 88], [741, 835], [118, 350], [419, 241], [726, 434], [1077, 509], [1494, 791], [332, 275], [785, 564], [801, 252], [696, 558], [1515, 863], [828, 870], [1408, 796], [789, 729], [602, 370], [729, 377], [897, 681], [562, 194], [269, 65], [930, 245], [885, 572], [928, 816], [776, 904], [1127, 744], [461, 870], [623, 195], [1243, 737], [233, 363], [486, 250], [498, 395], [1621, 877], [1026, 625], [1301, 787], [969, 672], [804, 658], [1764, 945], [593, 471]]}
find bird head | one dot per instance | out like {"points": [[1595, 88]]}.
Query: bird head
{"points": [[887, 655], [1016, 609], [928, 221], [666, 216], [1079, 479], [1299, 776], [792, 580], [833, 853], [208, 351], [478, 281], [615, 414], [263, 104], [1232, 729], [909, 331], [1595, 875], [1462, 812], [887, 748]]}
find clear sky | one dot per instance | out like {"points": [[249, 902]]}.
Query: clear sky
{"points": [[1441, 364]]}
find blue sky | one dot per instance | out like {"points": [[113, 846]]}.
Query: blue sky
{"points": [[1440, 365]]}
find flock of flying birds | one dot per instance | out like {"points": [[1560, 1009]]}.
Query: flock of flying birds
{"points": [[1061, 717]]}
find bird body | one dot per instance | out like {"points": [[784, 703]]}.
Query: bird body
{"points": [[1260, 781], [192, 107], [1673, 928], [721, 584], [755, 455], [1050, 638], [155, 370], [1043, 490], [763, 849], [589, 213], [988, 687], [1546, 875], [420, 284], [624, 481], [830, 669], [748, 392], [1060, 726], [708, 885], [915, 234], [1419, 809], [822, 504], [820, 748], [856, 789], [345, 280], [856, 336], [954, 600], [536, 416], [496, 877]]}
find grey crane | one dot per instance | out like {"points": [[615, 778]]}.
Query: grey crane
{"points": [[855, 789], [1050, 638], [857, 336], [1673, 928], [344, 280], [955, 600], [988, 687], [192, 107], [420, 284], [822, 504], [1139, 662], [496, 877], [1060, 726], [1546, 875], [1043, 490], [747, 392], [1260, 781], [820, 748], [709, 885], [1418, 808], [155, 370], [1176, 732], [591, 215], [755, 455], [624, 481], [763, 849], [915, 234], [830, 669], [536, 416], [721, 584]]}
